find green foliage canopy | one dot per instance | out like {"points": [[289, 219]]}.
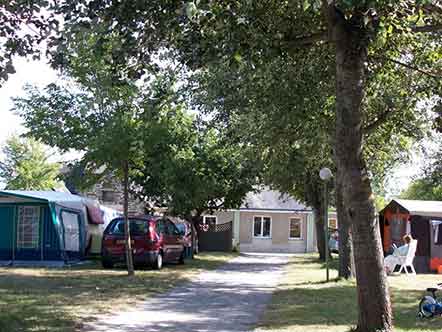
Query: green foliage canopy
{"points": [[365, 36], [429, 185], [24, 25], [192, 170], [26, 165], [423, 189]]}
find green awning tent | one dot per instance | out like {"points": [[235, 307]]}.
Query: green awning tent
{"points": [[42, 226]]}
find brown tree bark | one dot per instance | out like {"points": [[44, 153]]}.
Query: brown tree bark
{"points": [[128, 242], [346, 258], [314, 198], [318, 216], [195, 219], [372, 287]]}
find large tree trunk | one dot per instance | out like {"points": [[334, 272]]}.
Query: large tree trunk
{"points": [[128, 242], [313, 196], [346, 258], [196, 221], [318, 216], [373, 294]]}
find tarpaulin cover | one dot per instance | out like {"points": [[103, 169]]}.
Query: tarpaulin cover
{"points": [[94, 213]]}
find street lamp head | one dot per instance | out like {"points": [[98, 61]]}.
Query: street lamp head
{"points": [[325, 174]]}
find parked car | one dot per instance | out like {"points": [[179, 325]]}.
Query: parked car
{"points": [[333, 242], [154, 240], [190, 236]]}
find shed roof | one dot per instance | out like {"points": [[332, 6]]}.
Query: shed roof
{"points": [[272, 200], [424, 208]]}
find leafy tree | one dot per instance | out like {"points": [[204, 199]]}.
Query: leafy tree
{"points": [[23, 27], [423, 189], [191, 170], [105, 132], [288, 132], [26, 165], [429, 185], [362, 35], [293, 132], [141, 134], [102, 119], [349, 27]]}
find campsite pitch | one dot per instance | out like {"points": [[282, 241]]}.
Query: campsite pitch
{"points": [[63, 299], [304, 303]]}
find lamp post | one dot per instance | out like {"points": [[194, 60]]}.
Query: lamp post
{"points": [[326, 174]]}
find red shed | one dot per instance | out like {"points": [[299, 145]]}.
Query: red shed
{"points": [[421, 219]]}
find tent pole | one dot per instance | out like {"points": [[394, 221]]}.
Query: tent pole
{"points": [[42, 222], [14, 231]]}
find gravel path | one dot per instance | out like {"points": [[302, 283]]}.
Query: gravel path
{"points": [[231, 298]]}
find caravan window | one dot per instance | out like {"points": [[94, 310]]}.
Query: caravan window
{"points": [[71, 231], [28, 227]]}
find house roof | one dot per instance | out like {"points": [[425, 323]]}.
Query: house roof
{"points": [[47, 196], [424, 208], [272, 200]]}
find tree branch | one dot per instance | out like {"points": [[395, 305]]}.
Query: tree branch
{"points": [[406, 65], [427, 28], [329, 14], [378, 122], [432, 8], [308, 40]]}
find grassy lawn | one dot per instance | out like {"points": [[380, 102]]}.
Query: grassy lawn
{"points": [[41, 299], [304, 303]]}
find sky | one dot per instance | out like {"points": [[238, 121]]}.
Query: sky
{"points": [[401, 177], [32, 72], [37, 73], [40, 74]]}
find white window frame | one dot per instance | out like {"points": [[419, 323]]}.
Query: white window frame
{"points": [[210, 216], [262, 227], [300, 228]]}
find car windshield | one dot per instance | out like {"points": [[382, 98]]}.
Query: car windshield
{"points": [[137, 227]]}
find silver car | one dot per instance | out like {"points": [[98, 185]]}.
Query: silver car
{"points": [[333, 242]]}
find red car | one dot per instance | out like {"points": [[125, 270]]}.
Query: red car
{"points": [[154, 240]]}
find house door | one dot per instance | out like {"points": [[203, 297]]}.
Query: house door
{"points": [[7, 232], [28, 233]]}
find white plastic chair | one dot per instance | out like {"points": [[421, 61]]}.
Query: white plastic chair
{"points": [[407, 261]]}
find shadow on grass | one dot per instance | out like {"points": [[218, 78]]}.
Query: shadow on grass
{"points": [[336, 305], [405, 305], [333, 305], [333, 263], [54, 299], [306, 303]]}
